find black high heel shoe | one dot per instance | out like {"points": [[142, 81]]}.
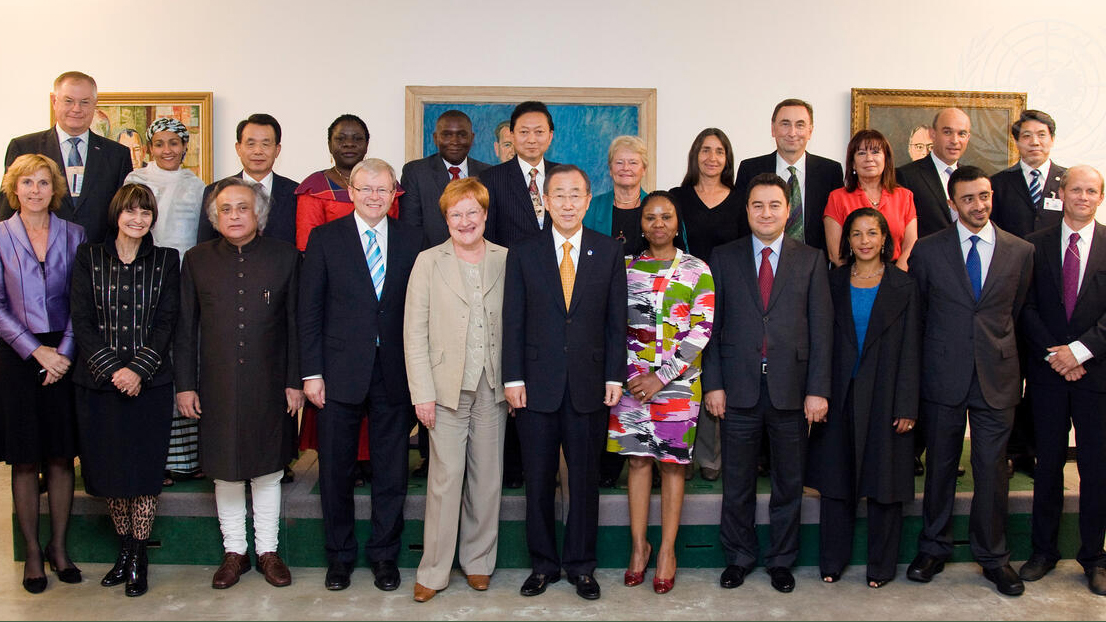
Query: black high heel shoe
{"points": [[34, 585], [72, 574]]}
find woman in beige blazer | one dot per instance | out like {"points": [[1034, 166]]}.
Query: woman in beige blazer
{"points": [[452, 334]]}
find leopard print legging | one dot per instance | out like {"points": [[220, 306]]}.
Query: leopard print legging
{"points": [[133, 516]]}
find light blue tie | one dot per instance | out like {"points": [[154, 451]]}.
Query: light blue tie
{"points": [[1035, 187], [376, 262], [975, 268], [75, 158]]}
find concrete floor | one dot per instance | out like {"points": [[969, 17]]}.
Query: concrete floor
{"points": [[184, 592]]}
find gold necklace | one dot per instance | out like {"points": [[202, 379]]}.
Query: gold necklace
{"points": [[341, 174]]}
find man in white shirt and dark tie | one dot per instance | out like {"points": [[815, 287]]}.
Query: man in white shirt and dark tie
{"points": [[928, 178]]}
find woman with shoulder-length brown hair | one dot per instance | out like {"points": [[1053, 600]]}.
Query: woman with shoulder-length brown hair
{"points": [[452, 337], [38, 429]]}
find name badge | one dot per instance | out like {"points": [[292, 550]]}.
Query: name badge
{"points": [[75, 176], [1055, 205]]}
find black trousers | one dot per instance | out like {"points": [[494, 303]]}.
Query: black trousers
{"points": [[1055, 409], [339, 424], [945, 442], [741, 433], [837, 526], [581, 435]]}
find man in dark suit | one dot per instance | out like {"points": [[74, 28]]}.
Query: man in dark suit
{"points": [[810, 178], [564, 336], [257, 142], [973, 279], [767, 367], [1064, 323], [516, 210], [94, 166], [423, 180], [352, 289], [928, 177]]}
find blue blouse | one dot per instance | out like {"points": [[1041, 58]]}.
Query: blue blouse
{"points": [[862, 298]]}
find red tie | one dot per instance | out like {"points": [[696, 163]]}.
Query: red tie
{"points": [[454, 172], [765, 279]]}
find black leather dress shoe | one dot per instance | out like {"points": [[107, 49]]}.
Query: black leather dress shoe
{"points": [[924, 567], [386, 573], [586, 586], [1036, 567], [1005, 579], [732, 576], [537, 582], [919, 468], [337, 575], [1096, 580], [782, 579]]}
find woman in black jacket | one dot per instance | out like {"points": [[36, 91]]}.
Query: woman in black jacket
{"points": [[865, 447]]}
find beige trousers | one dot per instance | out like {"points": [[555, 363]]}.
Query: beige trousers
{"points": [[463, 486]]}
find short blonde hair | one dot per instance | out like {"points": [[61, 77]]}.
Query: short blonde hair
{"points": [[459, 189], [633, 143], [75, 76], [26, 165]]}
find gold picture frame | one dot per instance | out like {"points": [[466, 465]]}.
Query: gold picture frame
{"points": [[582, 119], [124, 117], [897, 113]]}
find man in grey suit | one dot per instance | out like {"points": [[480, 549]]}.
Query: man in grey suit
{"points": [[425, 179], [767, 368], [928, 177], [973, 278]]}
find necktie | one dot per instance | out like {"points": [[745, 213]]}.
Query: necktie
{"points": [[75, 153], [1071, 274], [764, 279], [1035, 187], [795, 225], [454, 172], [952, 213], [376, 262], [535, 196], [568, 272], [975, 268]]}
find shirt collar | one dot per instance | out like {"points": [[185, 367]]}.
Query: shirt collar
{"points": [[941, 166], [1084, 234], [266, 181], [986, 234], [575, 238], [526, 169], [800, 164], [776, 245], [381, 227], [464, 166], [63, 136], [1043, 168]]}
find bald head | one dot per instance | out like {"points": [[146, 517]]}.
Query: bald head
{"points": [[1081, 191], [951, 131]]}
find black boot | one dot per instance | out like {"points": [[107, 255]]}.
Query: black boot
{"points": [[118, 572], [136, 570]]}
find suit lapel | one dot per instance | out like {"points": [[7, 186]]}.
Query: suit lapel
{"points": [[1021, 188], [492, 273], [783, 271], [747, 270], [19, 232], [351, 240], [955, 258], [1054, 257], [842, 302], [933, 180], [440, 174], [584, 264], [1052, 182], [92, 165], [886, 307], [1096, 261], [446, 262], [999, 266]]}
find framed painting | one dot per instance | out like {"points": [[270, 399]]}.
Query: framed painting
{"points": [[124, 117], [904, 117], [585, 120]]}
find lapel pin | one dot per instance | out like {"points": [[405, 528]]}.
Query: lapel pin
{"points": [[589, 252]]}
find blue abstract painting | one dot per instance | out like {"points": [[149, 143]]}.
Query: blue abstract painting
{"points": [[581, 133]]}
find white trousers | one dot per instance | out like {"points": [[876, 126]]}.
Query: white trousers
{"points": [[230, 500]]}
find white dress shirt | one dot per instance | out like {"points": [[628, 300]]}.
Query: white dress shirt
{"points": [[539, 180], [266, 181], [464, 166], [985, 247], [381, 230], [1086, 235], [66, 146], [800, 173], [1042, 169]]}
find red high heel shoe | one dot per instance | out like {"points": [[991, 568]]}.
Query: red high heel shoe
{"points": [[663, 586], [633, 579]]}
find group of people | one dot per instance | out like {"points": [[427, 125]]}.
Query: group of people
{"points": [[825, 318]]}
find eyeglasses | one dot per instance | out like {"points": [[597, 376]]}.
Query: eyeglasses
{"points": [[457, 217], [382, 191], [920, 146], [561, 199]]}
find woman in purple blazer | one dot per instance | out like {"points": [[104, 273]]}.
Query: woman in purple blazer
{"points": [[37, 421]]}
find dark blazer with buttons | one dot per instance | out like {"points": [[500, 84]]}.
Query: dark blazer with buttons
{"points": [[424, 180], [1013, 209], [340, 317], [921, 178], [131, 328], [547, 346], [281, 223], [510, 210], [106, 166], [962, 335], [798, 322], [823, 176], [1044, 321]]}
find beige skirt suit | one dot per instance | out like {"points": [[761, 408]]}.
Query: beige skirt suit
{"points": [[452, 336]]}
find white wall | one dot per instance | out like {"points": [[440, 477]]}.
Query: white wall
{"points": [[713, 62]]}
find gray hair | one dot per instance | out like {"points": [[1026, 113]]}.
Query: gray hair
{"points": [[260, 202], [372, 166]]}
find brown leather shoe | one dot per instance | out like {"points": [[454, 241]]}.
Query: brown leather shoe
{"points": [[423, 593], [234, 565], [274, 569], [479, 582]]}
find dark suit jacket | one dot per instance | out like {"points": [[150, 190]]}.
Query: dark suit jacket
{"points": [[1013, 209], [798, 321], [962, 335], [823, 176], [921, 178], [510, 211], [282, 212], [885, 388], [1044, 322], [340, 318], [546, 346], [106, 166], [424, 180]]}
